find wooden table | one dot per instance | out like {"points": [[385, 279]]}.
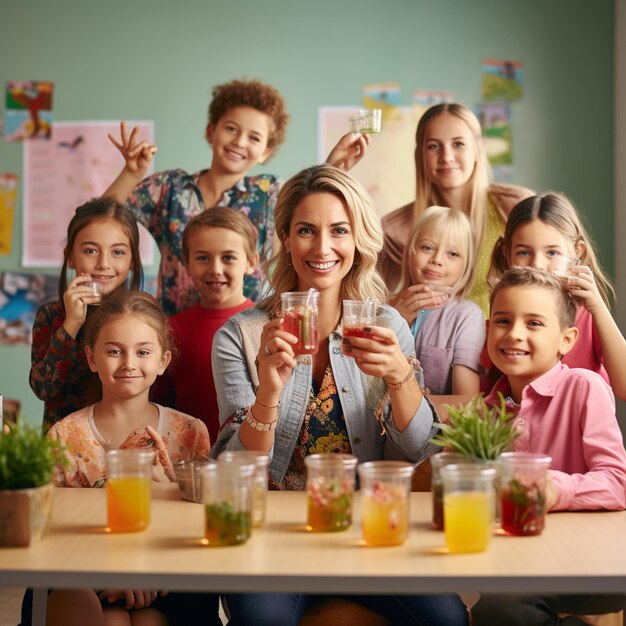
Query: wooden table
{"points": [[577, 552]]}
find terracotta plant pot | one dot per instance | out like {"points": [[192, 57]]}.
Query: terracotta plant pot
{"points": [[24, 515]]}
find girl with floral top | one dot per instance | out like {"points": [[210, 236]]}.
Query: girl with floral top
{"points": [[128, 344], [102, 247], [365, 400], [247, 123]]}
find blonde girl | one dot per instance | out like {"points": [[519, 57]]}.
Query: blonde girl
{"points": [[449, 330], [540, 230], [451, 169]]}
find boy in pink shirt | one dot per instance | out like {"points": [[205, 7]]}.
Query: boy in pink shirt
{"points": [[566, 413]]}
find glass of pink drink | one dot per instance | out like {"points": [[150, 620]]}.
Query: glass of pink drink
{"points": [[299, 311], [357, 316]]}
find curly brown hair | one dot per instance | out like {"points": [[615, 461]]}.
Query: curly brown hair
{"points": [[255, 94]]}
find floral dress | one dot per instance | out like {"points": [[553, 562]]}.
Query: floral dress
{"points": [[186, 438], [165, 202], [324, 430]]}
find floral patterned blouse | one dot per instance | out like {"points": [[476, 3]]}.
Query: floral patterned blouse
{"points": [[59, 374], [165, 202], [186, 438], [324, 430]]}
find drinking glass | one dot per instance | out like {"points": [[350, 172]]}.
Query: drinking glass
{"points": [[261, 462], [467, 506], [96, 289], [357, 315], [128, 489], [438, 461], [227, 488], [385, 489], [299, 311], [330, 487], [523, 492], [367, 121], [561, 266]]}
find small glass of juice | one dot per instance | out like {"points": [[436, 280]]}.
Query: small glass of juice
{"points": [[299, 311], [523, 492], [128, 489], [261, 461], [437, 461], [367, 121], [330, 487], [227, 488], [385, 489], [357, 316], [467, 506]]}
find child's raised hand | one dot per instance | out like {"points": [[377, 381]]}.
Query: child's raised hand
{"points": [[582, 285], [163, 468], [276, 359], [75, 300], [409, 302], [138, 155], [349, 150]]}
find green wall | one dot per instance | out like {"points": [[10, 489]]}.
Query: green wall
{"points": [[151, 59]]}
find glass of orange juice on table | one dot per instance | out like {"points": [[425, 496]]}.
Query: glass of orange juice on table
{"points": [[128, 489], [330, 487], [385, 489], [357, 316], [468, 499], [299, 311]]}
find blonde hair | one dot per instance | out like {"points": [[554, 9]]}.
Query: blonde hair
{"points": [[363, 279], [478, 184], [557, 211], [445, 225]]}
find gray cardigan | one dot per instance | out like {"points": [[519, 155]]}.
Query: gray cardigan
{"points": [[364, 399]]}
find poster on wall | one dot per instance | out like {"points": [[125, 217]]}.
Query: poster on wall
{"points": [[8, 193], [79, 163], [28, 110], [388, 170], [21, 294], [385, 96], [495, 120], [502, 80]]}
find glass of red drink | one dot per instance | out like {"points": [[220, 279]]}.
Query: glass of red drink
{"points": [[299, 311], [523, 492], [357, 316]]}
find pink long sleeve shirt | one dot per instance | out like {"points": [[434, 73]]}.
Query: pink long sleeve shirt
{"points": [[569, 414]]}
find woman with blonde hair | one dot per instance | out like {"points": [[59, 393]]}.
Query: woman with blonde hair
{"points": [[451, 169], [357, 395]]}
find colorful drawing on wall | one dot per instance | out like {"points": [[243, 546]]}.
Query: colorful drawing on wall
{"points": [[8, 193], [21, 294], [28, 110], [495, 119], [385, 96], [502, 80], [388, 171], [428, 97], [79, 163]]}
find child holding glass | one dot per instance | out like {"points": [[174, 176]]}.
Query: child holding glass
{"points": [[568, 414]]}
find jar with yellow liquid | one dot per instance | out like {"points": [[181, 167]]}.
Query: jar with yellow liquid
{"points": [[468, 505]]}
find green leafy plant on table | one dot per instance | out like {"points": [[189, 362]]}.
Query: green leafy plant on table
{"points": [[28, 461], [478, 430]]}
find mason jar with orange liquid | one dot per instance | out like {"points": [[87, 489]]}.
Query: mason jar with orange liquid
{"points": [[128, 489]]}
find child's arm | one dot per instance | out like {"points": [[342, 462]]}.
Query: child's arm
{"points": [[348, 151], [137, 156], [603, 484], [465, 381], [613, 344]]}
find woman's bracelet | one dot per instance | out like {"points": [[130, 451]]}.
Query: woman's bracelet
{"points": [[396, 386], [260, 426], [267, 406]]}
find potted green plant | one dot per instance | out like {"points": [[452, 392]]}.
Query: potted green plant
{"points": [[27, 464], [478, 430]]}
